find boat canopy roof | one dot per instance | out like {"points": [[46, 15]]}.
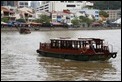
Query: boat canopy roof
{"points": [[77, 39]]}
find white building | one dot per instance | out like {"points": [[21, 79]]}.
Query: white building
{"points": [[62, 17], [23, 4], [114, 14], [36, 15], [50, 6], [9, 12], [86, 12], [35, 4]]}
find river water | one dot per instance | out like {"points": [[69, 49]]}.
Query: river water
{"points": [[20, 62]]}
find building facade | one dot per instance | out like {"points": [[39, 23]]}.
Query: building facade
{"points": [[114, 14], [86, 12], [9, 3], [35, 4], [23, 4], [51, 6], [8, 12], [62, 17]]}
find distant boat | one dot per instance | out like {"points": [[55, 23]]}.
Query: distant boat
{"points": [[81, 49], [24, 31], [117, 21]]}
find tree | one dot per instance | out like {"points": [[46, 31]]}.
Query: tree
{"points": [[5, 19], [103, 13], [75, 21], [43, 19], [86, 20], [21, 20]]}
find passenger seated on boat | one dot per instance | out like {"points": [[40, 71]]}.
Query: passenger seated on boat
{"points": [[91, 46], [44, 44]]}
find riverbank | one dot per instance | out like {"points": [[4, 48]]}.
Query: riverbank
{"points": [[60, 28]]}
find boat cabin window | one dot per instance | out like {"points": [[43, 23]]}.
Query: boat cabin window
{"points": [[76, 44], [98, 44]]}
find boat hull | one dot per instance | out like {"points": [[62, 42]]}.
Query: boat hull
{"points": [[78, 57], [24, 31]]}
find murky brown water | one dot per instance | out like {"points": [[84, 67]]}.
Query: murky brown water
{"points": [[20, 62]]}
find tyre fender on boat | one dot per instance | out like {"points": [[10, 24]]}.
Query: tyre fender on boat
{"points": [[113, 55]]}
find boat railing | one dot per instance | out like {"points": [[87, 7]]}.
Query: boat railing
{"points": [[105, 46], [110, 47], [44, 45], [93, 49]]}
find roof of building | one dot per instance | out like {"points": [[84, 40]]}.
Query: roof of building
{"points": [[26, 10], [4, 9]]}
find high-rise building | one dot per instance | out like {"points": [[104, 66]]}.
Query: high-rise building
{"points": [[9, 3], [63, 5], [23, 4], [35, 4]]}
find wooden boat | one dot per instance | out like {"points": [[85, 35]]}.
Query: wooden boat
{"points": [[81, 49], [24, 31]]}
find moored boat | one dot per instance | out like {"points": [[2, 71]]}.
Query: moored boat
{"points": [[25, 31], [81, 49]]}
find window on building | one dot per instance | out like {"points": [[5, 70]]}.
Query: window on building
{"points": [[82, 11], [11, 9], [21, 3], [54, 20], [119, 13], [96, 16], [46, 5], [26, 3], [46, 8], [41, 9], [58, 18], [11, 3], [54, 16], [62, 1], [71, 1], [71, 5], [96, 11]]}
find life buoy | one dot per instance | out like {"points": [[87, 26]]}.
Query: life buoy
{"points": [[113, 55]]}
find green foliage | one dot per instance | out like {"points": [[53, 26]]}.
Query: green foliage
{"points": [[5, 19], [103, 13], [75, 21], [43, 18], [86, 20], [21, 20], [104, 5], [36, 20]]}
